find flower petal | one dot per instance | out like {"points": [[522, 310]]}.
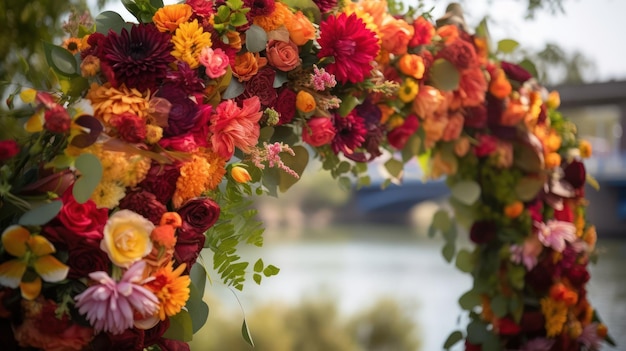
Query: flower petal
{"points": [[40, 246], [35, 122], [11, 273], [50, 269], [14, 240], [30, 290]]}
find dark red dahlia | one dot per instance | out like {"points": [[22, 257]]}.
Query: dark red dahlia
{"points": [[351, 45], [350, 133], [145, 203], [138, 59], [325, 5], [185, 79], [515, 72], [260, 7], [182, 116]]}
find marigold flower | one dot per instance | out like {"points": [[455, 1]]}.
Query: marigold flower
{"points": [[171, 288], [555, 313], [585, 148], [189, 40], [305, 102], [90, 66], [499, 86], [275, 19], [169, 17], [554, 99], [552, 160], [203, 172]]}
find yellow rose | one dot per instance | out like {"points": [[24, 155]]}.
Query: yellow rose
{"points": [[127, 238]]}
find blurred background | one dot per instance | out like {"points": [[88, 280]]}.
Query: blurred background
{"points": [[357, 270]]}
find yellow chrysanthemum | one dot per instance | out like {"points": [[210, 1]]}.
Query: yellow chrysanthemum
{"points": [[275, 19], [408, 90], [189, 40], [555, 313], [108, 194], [171, 288], [108, 101], [169, 17], [204, 171]]}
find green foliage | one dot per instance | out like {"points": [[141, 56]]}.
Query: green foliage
{"points": [[90, 170], [42, 214], [143, 10]]}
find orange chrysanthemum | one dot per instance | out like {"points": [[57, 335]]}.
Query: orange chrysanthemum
{"points": [[108, 101], [202, 173], [169, 17], [275, 19], [171, 288]]}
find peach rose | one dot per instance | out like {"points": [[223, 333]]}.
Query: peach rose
{"points": [[454, 127], [396, 34], [300, 28], [427, 102], [127, 238], [282, 54], [412, 65]]}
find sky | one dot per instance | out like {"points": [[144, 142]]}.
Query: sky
{"points": [[596, 28]]}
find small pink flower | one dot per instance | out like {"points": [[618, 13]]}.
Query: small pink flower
{"points": [[538, 344], [110, 306], [527, 253], [590, 338], [215, 61], [555, 234]]}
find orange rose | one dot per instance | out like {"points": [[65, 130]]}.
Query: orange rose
{"points": [[499, 86], [247, 65], [454, 127], [427, 102], [282, 55], [396, 34], [234, 40], [412, 65], [449, 33], [300, 29]]}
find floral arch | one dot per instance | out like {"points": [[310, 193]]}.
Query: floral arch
{"points": [[150, 139]]}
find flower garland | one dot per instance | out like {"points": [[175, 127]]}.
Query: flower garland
{"points": [[152, 137]]}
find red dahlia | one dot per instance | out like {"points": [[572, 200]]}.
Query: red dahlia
{"points": [[352, 46], [138, 59], [350, 133]]}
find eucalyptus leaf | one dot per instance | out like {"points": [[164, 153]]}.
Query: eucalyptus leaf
{"points": [[469, 300], [441, 220], [466, 191], [452, 339], [529, 66], [527, 188], [256, 39], [297, 163], [234, 89], [394, 167], [90, 170], [61, 60], [499, 306], [448, 251], [444, 75], [477, 332], [197, 308], [465, 261], [198, 277], [245, 332], [181, 327], [109, 20], [507, 46], [42, 214], [279, 79]]}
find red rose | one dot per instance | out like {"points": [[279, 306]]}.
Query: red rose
{"points": [[515, 72], [565, 214], [85, 220], [575, 174], [400, 135], [532, 321], [262, 86], [318, 131], [487, 145], [8, 149], [161, 181], [87, 258], [482, 232], [198, 215], [144, 203], [578, 275], [285, 105], [506, 326], [282, 54]]}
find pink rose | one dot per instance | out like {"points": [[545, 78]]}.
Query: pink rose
{"points": [[283, 55], [318, 131], [84, 220], [8, 149], [486, 145], [215, 61]]}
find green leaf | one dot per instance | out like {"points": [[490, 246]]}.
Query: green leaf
{"points": [[245, 332], [452, 339], [110, 20], [345, 183], [444, 75], [348, 103], [448, 251], [78, 85], [477, 332], [234, 89], [258, 266], [198, 277], [308, 7], [266, 133], [395, 168], [530, 67], [61, 60], [507, 46], [499, 306], [256, 38], [90, 170], [197, 308], [466, 191], [180, 327], [516, 276], [42, 214], [411, 148], [469, 300], [257, 278], [441, 220], [527, 188], [465, 261], [297, 163], [271, 270]]}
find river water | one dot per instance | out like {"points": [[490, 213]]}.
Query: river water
{"points": [[359, 265]]}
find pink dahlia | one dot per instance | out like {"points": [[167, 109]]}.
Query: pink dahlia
{"points": [[350, 44], [350, 133], [325, 5], [138, 59], [110, 306], [555, 234]]}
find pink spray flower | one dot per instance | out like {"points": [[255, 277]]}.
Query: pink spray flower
{"points": [[110, 306], [555, 234]]}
